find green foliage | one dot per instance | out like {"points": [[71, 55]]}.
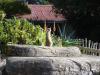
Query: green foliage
{"points": [[44, 2], [13, 7], [77, 8], [21, 32], [67, 32], [3, 3], [2, 15], [57, 41], [84, 15], [70, 42]]}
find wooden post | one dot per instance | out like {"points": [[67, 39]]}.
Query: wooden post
{"points": [[85, 42], [83, 45], [96, 46], [89, 44], [99, 46], [54, 27], [93, 45], [45, 26], [79, 42]]}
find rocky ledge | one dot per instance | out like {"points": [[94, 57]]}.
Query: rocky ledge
{"points": [[38, 60], [39, 51], [53, 66]]}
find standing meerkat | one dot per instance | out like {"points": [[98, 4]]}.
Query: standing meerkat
{"points": [[48, 37]]}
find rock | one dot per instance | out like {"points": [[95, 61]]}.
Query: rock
{"points": [[39, 51], [53, 66], [2, 65]]}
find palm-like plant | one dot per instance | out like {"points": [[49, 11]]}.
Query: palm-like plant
{"points": [[67, 32]]}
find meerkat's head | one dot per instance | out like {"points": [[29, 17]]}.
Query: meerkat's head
{"points": [[48, 29]]}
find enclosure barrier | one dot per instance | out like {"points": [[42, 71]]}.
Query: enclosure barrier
{"points": [[88, 46]]}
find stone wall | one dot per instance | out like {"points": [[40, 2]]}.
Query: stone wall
{"points": [[53, 66], [37, 60], [37, 51]]}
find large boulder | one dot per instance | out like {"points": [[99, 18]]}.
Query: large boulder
{"points": [[53, 66], [39, 51]]}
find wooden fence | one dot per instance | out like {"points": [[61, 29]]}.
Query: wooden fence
{"points": [[89, 47]]}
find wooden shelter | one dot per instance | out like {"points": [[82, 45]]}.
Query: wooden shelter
{"points": [[44, 14]]}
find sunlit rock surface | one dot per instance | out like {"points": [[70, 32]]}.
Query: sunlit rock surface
{"points": [[84, 65], [39, 51], [37, 60]]}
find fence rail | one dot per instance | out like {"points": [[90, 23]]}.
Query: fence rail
{"points": [[89, 47]]}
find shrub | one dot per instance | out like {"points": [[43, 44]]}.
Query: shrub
{"points": [[57, 41], [21, 32], [13, 7], [18, 31], [66, 34]]}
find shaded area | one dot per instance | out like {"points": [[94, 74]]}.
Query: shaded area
{"points": [[84, 16], [88, 27], [13, 7], [38, 67]]}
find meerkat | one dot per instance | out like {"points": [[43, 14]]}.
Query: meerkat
{"points": [[48, 37]]}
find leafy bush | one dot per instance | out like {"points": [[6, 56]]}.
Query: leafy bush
{"points": [[13, 7], [66, 34], [21, 32], [2, 14], [57, 41]]}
